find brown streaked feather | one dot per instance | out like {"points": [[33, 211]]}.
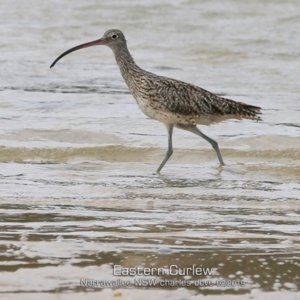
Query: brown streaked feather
{"points": [[189, 100], [172, 101]]}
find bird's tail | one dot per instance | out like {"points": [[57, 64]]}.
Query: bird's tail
{"points": [[243, 110], [249, 111]]}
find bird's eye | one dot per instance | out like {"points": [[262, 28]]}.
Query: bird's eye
{"points": [[114, 36]]}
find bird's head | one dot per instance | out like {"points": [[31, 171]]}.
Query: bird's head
{"points": [[111, 38]]}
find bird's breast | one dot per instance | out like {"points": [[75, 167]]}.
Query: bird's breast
{"points": [[154, 110]]}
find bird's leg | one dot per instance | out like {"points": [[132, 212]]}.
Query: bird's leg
{"points": [[195, 130], [170, 147]]}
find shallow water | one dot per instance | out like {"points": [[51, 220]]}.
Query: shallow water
{"points": [[78, 189]]}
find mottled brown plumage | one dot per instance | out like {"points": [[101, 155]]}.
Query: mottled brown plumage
{"points": [[170, 101]]}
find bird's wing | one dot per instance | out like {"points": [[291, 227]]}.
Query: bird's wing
{"points": [[187, 99]]}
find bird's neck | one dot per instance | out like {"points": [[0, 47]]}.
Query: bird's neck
{"points": [[126, 63]]}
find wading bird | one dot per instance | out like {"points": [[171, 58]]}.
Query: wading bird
{"points": [[170, 101]]}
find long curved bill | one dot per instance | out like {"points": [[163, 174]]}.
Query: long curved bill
{"points": [[90, 44]]}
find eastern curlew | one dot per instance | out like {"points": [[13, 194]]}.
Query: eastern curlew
{"points": [[170, 101]]}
